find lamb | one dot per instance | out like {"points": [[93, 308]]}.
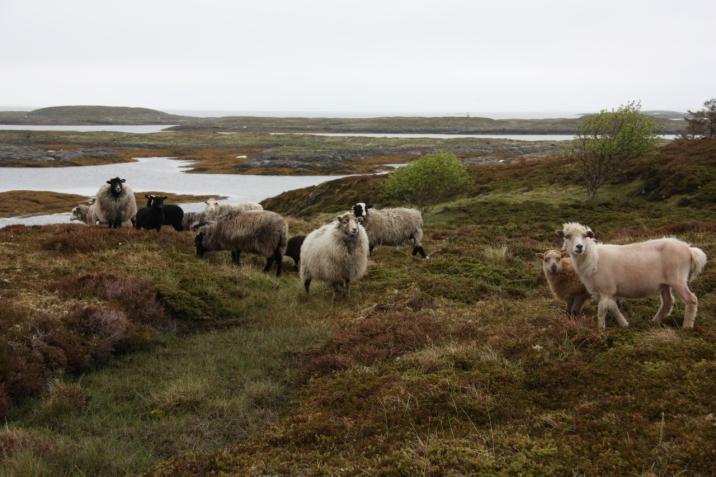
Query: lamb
{"points": [[396, 226], [563, 280], [173, 214], [214, 209], [85, 213], [116, 203], [293, 249], [336, 253], [636, 270], [261, 232], [152, 216]]}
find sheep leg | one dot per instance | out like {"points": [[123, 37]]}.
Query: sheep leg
{"points": [[577, 305], [370, 248], [307, 284], [667, 303], [269, 262], [568, 309], [691, 304], [278, 258], [236, 256], [347, 287], [614, 308], [418, 249], [602, 309]]}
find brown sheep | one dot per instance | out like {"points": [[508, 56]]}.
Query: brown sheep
{"points": [[563, 281]]}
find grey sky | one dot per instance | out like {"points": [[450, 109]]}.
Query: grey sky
{"points": [[364, 55]]}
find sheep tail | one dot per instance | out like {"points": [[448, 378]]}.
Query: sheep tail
{"points": [[698, 262]]}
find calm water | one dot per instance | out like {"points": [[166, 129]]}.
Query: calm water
{"points": [[153, 173], [136, 129]]}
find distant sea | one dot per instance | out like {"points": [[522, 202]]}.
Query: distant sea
{"points": [[373, 114]]}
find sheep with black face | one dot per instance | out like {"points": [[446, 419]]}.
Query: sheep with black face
{"points": [[261, 232], [173, 214], [115, 203], [394, 226], [151, 217]]}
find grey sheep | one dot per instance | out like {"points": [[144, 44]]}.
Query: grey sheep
{"points": [[395, 226], [261, 232]]}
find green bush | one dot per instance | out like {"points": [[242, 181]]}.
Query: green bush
{"points": [[429, 179]]}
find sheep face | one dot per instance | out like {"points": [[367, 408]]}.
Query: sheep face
{"points": [[211, 204], [76, 214], [552, 261], [199, 243], [157, 201], [116, 185], [150, 198], [577, 238], [348, 227], [361, 209]]}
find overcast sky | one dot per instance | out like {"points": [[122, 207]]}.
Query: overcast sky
{"points": [[441, 56]]}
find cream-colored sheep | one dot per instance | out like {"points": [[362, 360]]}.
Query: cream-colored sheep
{"points": [[336, 253]]}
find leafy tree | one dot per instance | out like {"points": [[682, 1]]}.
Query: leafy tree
{"points": [[428, 179], [607, 141], [702, 123]]}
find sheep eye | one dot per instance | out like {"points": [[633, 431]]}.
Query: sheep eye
{"points": [[568, 236]]}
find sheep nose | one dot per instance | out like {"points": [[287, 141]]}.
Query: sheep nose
{"points": [[579, 247], [554, 268]]}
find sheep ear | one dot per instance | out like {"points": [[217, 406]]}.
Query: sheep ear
{"points": [[109, 182], [560, 233], [339, 218], [147, 196], [540, 255], [590, 234], [164, 197], [123, 180]]}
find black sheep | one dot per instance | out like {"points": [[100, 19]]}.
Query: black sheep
{"points": [[173, 214], [151, 217], [293, 249]]}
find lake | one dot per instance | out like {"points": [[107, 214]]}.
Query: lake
{"points": [[150, 173], [135, 129]]}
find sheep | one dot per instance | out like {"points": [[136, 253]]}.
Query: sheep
{"points": [[637, 270], [336, 253], [85, 213], [293, 249], [563, 280], [396, 226], [191, 220], [152, 216], [261, 232], [116, 203], [173, 214], [214, 209]]}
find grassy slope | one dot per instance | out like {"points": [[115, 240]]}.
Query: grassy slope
{"points": [[89, 115], [458, 365]]}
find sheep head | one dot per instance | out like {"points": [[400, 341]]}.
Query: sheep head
{"points": [[360, 209], [577, 237], [115, 185], [348, 227]]}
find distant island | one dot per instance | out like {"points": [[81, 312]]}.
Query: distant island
{"points": [[668, 122]]}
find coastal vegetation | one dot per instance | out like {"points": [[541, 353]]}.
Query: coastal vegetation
{"points": [[122, 353]]}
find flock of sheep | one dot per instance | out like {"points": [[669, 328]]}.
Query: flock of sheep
{"points": [[338, 252]]}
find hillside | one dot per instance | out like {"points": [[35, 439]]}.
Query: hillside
{"points": [[423, 125], [122, 353], [88, 115]]}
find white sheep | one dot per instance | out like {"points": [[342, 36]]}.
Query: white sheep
{"points": [[260, 231], [563, 281], [214, 209], [394, 226], [115, 204], [336, 253], [637, 270]]}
